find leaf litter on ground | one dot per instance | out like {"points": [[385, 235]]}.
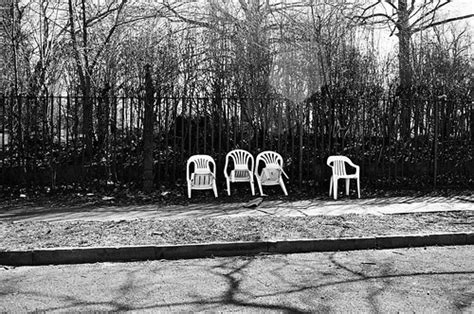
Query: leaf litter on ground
{"points": [[34, 235]]}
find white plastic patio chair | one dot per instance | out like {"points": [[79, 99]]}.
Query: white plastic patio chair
{"points": [[338, 165], [243, 168], [203, 178], [271, 173]]}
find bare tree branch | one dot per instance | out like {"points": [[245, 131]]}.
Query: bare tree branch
{"points": [[414, 30], [390, 3], [109, 35], [187, 20], [364, 20], [438, 6]]}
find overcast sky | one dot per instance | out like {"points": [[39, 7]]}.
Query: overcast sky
{"points": [[462, 7], [454, 9]]}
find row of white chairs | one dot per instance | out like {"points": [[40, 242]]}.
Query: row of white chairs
{"points": [[244, 168]]}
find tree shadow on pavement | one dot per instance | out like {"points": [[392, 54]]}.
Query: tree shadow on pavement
{"points": [[235, 274]]}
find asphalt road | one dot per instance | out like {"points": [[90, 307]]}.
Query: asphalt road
{"points": [[429, 280]]}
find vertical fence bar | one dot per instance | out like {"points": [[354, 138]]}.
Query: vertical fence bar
{"points": [[227, 123], [309, 142], [219, 149], [269, 122], [158, 142], [75, 124], [68, 110], [234, 122], [294, 133], [51, 121], [2, 102], [300, 144], [257, 123], [130, 118], [20, 132], [279, 109], [59, 120], [167, 131], [139, 113], [44, 108], [175, 123], [435, 138], [190, 126], [122, 113], [212, 126], [139, 117], [113, 129], [51, 135], [206, 100], [241, 123], [198, 122], [248, 126], [315, 147], [27, 136], [13, 140], [264, 123]]}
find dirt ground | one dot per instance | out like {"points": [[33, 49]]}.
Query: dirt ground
{"points": [[40, 234]]}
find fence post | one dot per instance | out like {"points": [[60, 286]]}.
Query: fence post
{"points": [[435, 139], [472, 121], [148, 132]]}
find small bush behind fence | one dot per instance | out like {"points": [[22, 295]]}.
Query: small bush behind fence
{"points": [[42, 142]]}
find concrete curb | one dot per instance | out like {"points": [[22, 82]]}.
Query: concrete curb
{"points": [[77, 255]]}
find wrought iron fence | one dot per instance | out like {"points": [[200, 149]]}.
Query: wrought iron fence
{"points": [[42, 141]]}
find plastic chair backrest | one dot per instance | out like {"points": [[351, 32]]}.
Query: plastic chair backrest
{"points": [[270, 158], [337, 163], [241, 159], [201, 164]]}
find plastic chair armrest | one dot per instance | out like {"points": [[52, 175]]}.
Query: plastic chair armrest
{"points": [[225, 166]]}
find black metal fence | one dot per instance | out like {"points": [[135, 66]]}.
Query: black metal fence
{"points": [[42, 142]]}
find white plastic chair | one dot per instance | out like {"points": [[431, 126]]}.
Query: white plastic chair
{"points": [[338, 165], [271, 173], [203, 178], [243, 168]]}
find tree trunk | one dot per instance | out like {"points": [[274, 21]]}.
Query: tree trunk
{"points": [[404, 66], [87, 117], [148, 132], [84, 79], [103, 118]]}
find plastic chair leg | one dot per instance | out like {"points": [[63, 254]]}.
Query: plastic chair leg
{"points": [[228, 187], [260, 188], [330, 186], [358, 187], [283, 187], [335, 188], [214, 188], [348, 183], [252, 188], [189, 190]]}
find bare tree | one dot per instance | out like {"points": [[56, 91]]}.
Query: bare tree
{"points": [[86, 58], [406, 18]]}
